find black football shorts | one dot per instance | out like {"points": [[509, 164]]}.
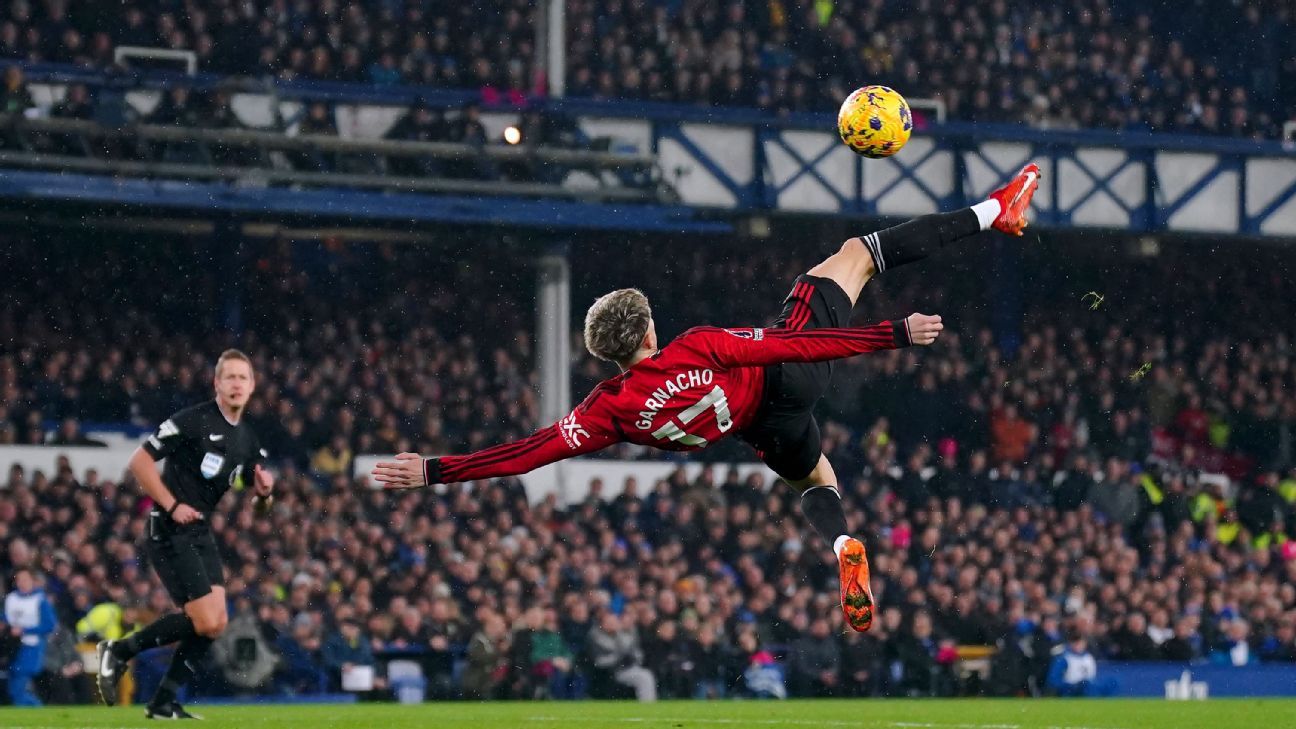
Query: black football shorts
{"points": [[785, 433], [186, 558]]}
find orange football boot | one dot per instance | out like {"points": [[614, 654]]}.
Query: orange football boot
{"points": [[856, 595]]}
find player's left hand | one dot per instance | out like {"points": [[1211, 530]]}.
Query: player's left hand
{"points": [[924, 328], [406, 472], [263, 481]]}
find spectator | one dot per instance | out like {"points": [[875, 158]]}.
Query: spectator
{"points": [[1013, 435], [344, 650], [551, 659], [30, 618], [1131, 641], [711, 665], [1280, 646], [912, 655], [332, 460], [64, 679], [1235, 647], [815, 662], [487, 669], [614, 649], [443, 633], [69, 434], [14, 97], [1074, 672], [761, 676], [1186, 645], [76, 104]]}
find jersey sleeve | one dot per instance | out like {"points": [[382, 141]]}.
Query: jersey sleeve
{"points": [[259, 455], [585, 430], [171, 434], [756, 347]]}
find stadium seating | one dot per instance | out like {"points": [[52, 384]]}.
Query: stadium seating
{"points": [[1219, 69], [1009, 483]]}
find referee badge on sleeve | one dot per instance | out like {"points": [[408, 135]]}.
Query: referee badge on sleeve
{"points": [[211, 465]]}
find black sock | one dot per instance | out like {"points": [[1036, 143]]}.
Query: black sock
{"points": [[918, 238], [166, 629], [183, 663], [823, 509]]}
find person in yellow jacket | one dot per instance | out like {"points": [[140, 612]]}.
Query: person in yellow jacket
{"points": [[103, 620]]}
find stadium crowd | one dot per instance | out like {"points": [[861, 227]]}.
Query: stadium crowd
{"points": [[1213, 68], [1024, 493]]}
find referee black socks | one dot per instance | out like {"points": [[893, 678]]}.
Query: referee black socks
{"points": [[822, 507], [183, 663], [919, 238], [163, 631]]}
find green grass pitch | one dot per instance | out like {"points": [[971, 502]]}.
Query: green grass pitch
{"points": [[830, 714]]}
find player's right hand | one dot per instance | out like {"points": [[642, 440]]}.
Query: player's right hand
{"points": [[406, 472], [924, 328], [185, 514]]}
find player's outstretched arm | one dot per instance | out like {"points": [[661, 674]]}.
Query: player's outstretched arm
{"points": [[923, 328], [577, 434], [757, 347]]}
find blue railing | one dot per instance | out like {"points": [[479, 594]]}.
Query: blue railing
{"points": [[748, 161]]}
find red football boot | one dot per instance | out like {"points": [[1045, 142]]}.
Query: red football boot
{"points": [[1014, 200]]}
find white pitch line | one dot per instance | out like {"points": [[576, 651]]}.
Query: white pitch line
{"points": [[800, 722]]}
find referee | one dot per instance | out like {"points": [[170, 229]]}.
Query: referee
{"points": [[207, 450]]}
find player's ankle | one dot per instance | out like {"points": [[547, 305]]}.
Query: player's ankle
{"points": [[987, 211], [840, 544]]}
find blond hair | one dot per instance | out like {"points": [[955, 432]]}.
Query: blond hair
{"points": [[228, 355], [616, 324]]}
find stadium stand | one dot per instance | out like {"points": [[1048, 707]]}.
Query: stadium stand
{"points": [[1218, 69], [1063, 487]]}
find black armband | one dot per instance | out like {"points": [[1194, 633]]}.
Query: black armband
{"points": [[431, 471], [900, 330]]}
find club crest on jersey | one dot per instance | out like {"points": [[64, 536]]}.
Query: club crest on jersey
{"points": [[572, 431], [211, 465]]}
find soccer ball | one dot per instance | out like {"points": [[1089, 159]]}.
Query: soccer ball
{"points": [[875, 121]]}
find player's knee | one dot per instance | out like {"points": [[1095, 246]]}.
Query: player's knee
{"points": [[210, 624], [859, 252]]}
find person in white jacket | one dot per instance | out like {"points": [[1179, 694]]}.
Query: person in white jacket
{"points": [[615, 648], [30, 618]]}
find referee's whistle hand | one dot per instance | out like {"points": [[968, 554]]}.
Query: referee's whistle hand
{"points": [[186, 514], [406, 472], [264, 481]]}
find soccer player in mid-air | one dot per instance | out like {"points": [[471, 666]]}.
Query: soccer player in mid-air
{"points": [[208, 450], [759, 384]]}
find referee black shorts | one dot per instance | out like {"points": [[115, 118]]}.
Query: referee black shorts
{"points": [[785, 433], [185, 558]]}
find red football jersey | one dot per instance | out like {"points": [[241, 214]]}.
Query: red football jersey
{"points": [[703, 386]]}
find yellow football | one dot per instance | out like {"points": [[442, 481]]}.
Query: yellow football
{"points": [[875, 121]]}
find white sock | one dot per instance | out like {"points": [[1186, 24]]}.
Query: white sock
{"points": [[986, 212], [839, 544]]}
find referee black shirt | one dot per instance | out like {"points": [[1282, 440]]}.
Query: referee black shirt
{"points": [[205, 455]]}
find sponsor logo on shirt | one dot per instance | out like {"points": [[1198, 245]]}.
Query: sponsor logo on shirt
{"points": [[572, 431]]}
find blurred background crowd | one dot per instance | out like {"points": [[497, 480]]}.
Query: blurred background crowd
{"points": [[1098, 459], [1199, 67]]}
